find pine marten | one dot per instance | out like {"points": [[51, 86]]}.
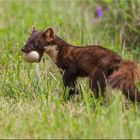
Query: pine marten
{"points": [[101, 65]]}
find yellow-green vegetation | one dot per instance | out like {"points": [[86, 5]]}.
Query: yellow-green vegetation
{"points": [[32, 101]]}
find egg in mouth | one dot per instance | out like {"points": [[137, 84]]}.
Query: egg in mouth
{"points": [[31, 57]]}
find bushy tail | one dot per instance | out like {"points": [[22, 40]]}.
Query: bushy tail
{"points": [[125, 78]]}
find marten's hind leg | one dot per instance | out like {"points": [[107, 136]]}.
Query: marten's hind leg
{"points": [[97, 84]]}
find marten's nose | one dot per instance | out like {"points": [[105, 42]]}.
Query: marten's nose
{"points": [[23, 50]]}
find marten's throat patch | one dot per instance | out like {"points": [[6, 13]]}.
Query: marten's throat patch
{"points": [[52, 51]]}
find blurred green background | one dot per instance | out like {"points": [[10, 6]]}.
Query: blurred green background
{"points": [[32, 103]]}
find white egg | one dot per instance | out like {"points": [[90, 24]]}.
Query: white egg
{"points": [[31, 57]]}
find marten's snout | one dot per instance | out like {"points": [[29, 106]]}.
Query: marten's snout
{"points": [[23, 50], [26, 49]]}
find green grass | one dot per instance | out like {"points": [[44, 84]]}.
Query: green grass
{"points": [[32, 103]]}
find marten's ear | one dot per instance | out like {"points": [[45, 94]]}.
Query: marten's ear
{"points": [[48, 34], [33, 29]]}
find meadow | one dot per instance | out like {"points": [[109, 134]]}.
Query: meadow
{"points": [[32, 101]]}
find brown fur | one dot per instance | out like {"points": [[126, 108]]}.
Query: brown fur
{"points": [[97, 63]]}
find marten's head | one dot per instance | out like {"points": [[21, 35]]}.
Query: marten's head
{"points": [[40, 41]]}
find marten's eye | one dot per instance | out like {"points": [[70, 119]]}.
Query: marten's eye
{"points": [[36, 46], [31, 46]]}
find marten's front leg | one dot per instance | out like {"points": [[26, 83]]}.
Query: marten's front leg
{"points": [[69, 79]]}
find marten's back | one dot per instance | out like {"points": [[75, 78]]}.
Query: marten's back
{"points": [[95, 57]]}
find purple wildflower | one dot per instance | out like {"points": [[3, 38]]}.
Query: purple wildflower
{"points": [[99, 11]]}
